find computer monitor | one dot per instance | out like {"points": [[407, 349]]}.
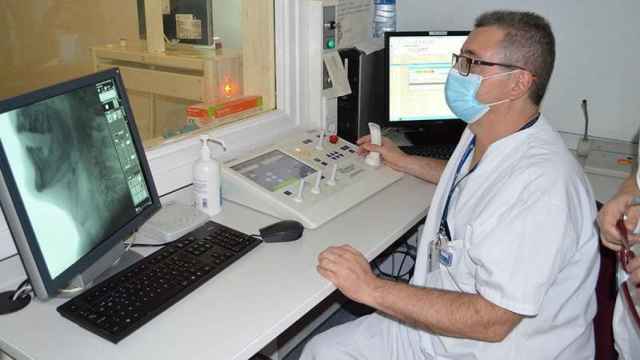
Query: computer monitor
{"points": [[75, 182], [417, 64]]}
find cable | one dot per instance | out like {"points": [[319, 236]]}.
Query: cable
{"points": [[399, 275], [170, 42], [19, 292], [8, 257], [382, 272], [133, 240], [255, 236], [405, 250], [393, 262], [154, 245]]}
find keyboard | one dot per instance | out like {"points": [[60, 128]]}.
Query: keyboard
{"points": [[437, 151], [116, 307]]}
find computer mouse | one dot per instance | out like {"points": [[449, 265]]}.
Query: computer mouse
{"points": [[285, 230]]}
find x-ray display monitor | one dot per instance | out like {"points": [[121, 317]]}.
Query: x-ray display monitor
{"points": [[75, 180], [274, 170], [418, 65]]}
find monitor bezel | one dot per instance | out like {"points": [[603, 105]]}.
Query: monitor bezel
{"points": [[13, 205], [414, 123]]}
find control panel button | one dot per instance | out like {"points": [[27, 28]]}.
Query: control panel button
{"points": [[331, 43]]}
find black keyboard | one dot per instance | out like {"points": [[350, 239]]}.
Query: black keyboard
{"points": [[438, 151], [118, 306]]}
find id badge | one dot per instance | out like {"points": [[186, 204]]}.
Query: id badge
{"points": [[445, 255], [435, 249]]}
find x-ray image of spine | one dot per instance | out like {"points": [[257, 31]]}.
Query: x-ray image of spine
{"points": [[72, 164]]}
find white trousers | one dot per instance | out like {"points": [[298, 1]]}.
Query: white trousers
{"points": [[371, 337]]}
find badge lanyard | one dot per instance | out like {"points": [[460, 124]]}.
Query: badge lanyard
{"points": [[444, 225], [444, 232]]}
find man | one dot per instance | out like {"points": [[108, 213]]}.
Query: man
{"points": [[507, 264], [623, 206]]}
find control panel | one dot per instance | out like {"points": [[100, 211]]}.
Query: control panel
{"points": [[308, 177]]}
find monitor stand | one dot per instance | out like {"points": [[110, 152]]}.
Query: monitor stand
{"points": [[436, 133], [115, 260]]}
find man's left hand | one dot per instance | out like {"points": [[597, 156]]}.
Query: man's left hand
{"points": [[349, 271]]}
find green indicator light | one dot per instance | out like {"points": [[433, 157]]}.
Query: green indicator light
{"points": [[331, 43]]}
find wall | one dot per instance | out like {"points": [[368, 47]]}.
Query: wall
{"points": [[47, 41], [597, 55], [227, 22]]}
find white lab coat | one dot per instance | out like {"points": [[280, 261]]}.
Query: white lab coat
{"points": [[524, 238], [626, 333]]}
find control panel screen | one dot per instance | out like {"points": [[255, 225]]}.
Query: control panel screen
{"points": [[273, 170]]}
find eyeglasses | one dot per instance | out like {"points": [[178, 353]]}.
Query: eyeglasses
{"points": [[463, 64]]}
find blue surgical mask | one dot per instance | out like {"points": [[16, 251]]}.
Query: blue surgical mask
{"points": [[460, 93]]}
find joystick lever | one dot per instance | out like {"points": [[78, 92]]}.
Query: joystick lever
{"points": [[298, 197], [316, 187], [332, 180], [373, 158]]}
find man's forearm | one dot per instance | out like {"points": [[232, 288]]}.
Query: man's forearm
{"points": [[444, 312], [427, 169]]}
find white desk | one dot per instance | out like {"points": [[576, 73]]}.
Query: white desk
{"points": [[240, 310]]}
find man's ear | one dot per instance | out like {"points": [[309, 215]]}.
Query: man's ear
{"points": [[522, 85]]}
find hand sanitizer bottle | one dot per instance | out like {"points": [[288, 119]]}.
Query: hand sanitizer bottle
{"points": [[206, 180]]}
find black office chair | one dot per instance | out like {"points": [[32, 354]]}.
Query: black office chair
{"points": [[606, 292]]}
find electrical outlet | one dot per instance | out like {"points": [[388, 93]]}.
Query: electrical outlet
{"points": [[609, 164]]}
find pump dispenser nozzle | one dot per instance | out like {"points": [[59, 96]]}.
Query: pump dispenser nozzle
{"points": [[205, 140]]}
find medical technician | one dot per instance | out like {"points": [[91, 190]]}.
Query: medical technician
{"points": [[507, 264], [624, 205]]}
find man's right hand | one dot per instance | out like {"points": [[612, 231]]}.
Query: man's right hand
{"points": [[427, 169], [391, 155]]}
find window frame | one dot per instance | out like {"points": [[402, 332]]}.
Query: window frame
{"points": [[171, 163]]}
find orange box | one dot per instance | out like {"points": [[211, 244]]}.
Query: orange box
{"points": [[205, 113]]}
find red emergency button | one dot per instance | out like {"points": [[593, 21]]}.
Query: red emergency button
{"points": [[333, 138]]}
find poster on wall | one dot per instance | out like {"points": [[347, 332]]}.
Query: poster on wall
{"points": [[354, 22]]}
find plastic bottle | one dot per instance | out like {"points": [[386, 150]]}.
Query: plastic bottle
{"points": [[206, 180], [385, 17]]}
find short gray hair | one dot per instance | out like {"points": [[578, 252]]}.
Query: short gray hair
{"points": [[528, 42]]}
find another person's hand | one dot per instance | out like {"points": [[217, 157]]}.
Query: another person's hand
{"points": [[349, 271], [391, 155], [634, 270], [615, 209]]}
